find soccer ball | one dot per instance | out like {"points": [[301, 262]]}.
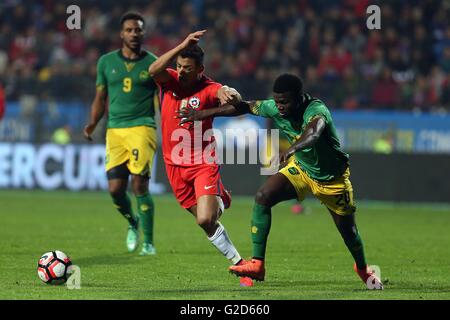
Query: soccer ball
{"points": [[54, 267]]}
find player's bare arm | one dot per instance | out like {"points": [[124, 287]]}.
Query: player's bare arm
{"points": [[97, 111], [309, 137], [157, 70]]}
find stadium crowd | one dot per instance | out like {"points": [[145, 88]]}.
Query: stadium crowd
{"points": [[405, 65]]}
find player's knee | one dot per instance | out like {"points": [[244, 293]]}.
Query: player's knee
{"points": [[139, 185], [206, 222], [263, 197], [116, 192], [140, 189], [117, 189]]}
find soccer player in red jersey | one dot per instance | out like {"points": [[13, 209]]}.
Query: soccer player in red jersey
{"points": [[195, 180]]}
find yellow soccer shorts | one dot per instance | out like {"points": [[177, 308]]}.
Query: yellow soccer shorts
{"points": [[135, 146], [336, 195]]}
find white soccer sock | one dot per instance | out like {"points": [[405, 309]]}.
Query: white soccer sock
{"points": [[223, 243]]}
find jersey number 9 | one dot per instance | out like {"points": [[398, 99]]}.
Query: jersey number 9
{"points": [[135, 153], [127, 84]]}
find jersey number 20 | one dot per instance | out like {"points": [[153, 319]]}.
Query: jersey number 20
{"points": [[127, 83]]}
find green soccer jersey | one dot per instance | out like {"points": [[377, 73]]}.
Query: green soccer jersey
{"points": [[130, 89], [324, 161]]}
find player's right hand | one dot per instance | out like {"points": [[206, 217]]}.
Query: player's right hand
{"points": [[88, 130], [192, 38], [188, 115], [284, 156]]}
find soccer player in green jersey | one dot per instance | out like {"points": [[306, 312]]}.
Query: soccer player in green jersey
{"points": [[123, 80], [317, 166]]}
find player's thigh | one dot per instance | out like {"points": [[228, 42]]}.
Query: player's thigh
{"points": [[337, 196], [141, 145], [298, 185], [116, 149], [184, 192], [208, 191], [341, 203], [117, 180], [206, 180], [277, 188]]}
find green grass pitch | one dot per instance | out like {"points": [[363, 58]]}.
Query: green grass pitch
{"points": [[306, 257]]}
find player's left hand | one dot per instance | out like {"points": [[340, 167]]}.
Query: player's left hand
{"points": [[192, 38], [88, 131], [227, 95]]}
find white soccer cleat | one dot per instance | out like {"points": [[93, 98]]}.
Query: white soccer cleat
{"points": [[132, 239], [147, 250]]}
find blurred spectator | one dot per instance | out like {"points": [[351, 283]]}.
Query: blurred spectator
{"points": [[2, 101], [384, 144], [354, 41], [385, 92], [445, 61], [333, 62], [28, 88], [62, 135]]}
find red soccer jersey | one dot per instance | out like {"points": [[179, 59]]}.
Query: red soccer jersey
{"points": [[181, 145]]}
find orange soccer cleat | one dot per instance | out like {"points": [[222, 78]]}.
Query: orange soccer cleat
{"points": [[369, 278], [253, 269], [244, 281]]}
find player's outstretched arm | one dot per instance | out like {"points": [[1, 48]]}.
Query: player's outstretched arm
{"points": [[309, 137], [190, 115], [157, 69], [97, 111]]}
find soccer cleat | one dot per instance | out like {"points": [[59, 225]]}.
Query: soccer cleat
{"points": [[147, 250], [369, 278], [132, 238], [246, 282], [253, 269]]}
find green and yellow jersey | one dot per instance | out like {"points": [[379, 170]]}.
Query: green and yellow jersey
{"points": [[325, 161], [130, 89]]}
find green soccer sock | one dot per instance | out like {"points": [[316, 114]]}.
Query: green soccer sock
{"points": [[146, 210], [261, 221], [123, 205], [356, 248]]}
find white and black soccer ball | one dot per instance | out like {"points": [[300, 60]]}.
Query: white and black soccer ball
{"points": [[54, 267]]}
